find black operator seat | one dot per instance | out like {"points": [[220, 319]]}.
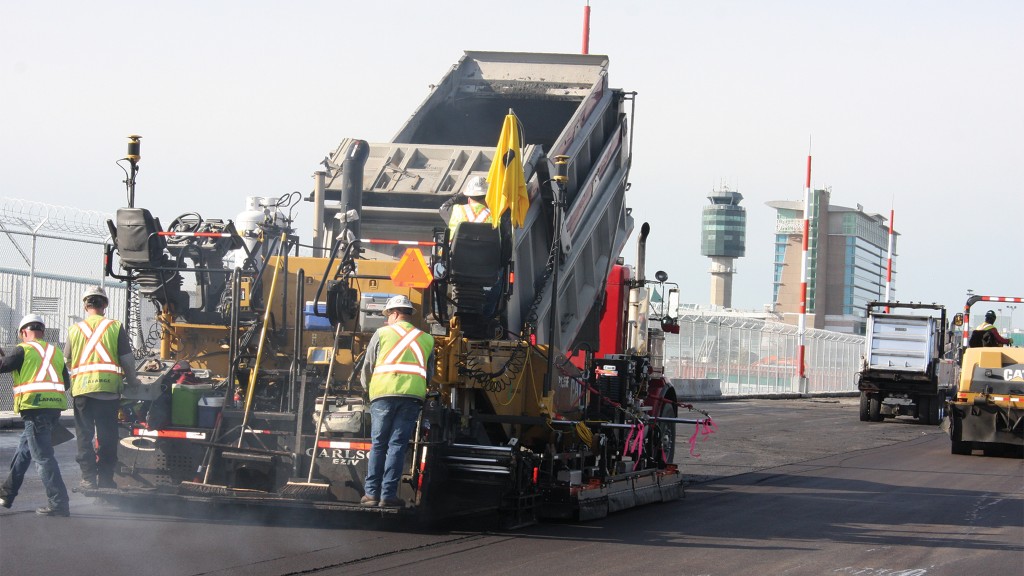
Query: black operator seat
{"points": [[136, 237], [141, 249], [476, 257], [478, 260]]}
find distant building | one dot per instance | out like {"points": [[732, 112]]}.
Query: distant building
{"points": [[723, 239], [847, 261]]}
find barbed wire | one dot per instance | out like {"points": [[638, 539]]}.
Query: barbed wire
{"points": [[29, 215]]}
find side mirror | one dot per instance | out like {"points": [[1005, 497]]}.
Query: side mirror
{"points": [[958, 319], [673, 304]]}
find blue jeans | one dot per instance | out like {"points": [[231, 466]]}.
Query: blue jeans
{"points": [[36, 445], [393, 422]]}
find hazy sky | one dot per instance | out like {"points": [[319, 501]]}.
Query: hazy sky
{"points": [[911, 105]]}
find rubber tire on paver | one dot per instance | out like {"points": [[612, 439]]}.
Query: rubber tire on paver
{"points": [[864, 407], [668, 432], [957, 446], [875, 408]]}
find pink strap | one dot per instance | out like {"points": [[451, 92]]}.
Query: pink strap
{"points": [[705, 428]]}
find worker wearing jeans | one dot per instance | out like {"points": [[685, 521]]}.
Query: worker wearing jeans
{"points": [[40, 378], [393, 423], [399, 359]]}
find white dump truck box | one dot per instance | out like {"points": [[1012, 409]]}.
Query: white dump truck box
{"points": [[901, 342]]}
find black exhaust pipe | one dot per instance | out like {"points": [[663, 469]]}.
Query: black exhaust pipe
{"points": [[352, 183]]}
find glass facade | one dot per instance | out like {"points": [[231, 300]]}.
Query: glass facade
{"points": [[856, 261], [724, 225], [864, 264]]}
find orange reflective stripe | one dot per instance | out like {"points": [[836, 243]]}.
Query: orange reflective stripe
{"points": [[400, 369], [391, 364], [38, 387], [93, 343], [99, 367], [46, 372], [408, 342], [470, 216]]}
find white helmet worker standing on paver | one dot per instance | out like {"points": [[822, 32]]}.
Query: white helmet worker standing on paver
{"points": [[474, 210], [396, 370], [98, 355]]}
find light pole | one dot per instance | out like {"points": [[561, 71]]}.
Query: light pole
{"points": [[1011, 308]]}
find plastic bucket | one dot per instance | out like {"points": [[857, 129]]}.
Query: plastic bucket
{"points": [[208, 407], [184, 401]]}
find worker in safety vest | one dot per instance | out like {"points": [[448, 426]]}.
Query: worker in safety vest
{"points": [[98, 355], [40, 379], [474, 210], [988, 331], [398, 363]]}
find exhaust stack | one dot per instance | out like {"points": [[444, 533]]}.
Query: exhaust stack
{"points": [[352, 186], [639, 299]]}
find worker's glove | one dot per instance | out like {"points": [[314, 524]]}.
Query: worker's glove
{"points": [[450, 201]]}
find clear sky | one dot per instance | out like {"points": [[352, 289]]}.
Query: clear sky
{"points": [[916, 105]]}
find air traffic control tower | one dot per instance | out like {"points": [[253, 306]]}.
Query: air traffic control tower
{"points": [[723, 239]]}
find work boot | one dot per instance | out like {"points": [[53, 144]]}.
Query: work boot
{"points": [[87, 484], [107, 483], [368, 500], [6, 502], [49, 510], [392, 503]]}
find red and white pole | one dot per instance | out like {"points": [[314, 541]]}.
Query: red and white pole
{"points": [[888, 268], [586, 29], [804, 261]]}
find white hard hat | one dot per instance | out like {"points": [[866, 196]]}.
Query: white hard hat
{"points": [[94, 291], [475, 186], [398, 302], [31, 319]]}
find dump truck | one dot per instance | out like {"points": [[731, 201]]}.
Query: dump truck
{"points": [[987, 413], [553, 404], [907, 367]]}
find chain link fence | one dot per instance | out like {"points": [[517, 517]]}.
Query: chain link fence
{"points": [[730, 355], [49, 256]]}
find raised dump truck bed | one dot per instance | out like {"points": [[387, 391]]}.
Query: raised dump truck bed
{"points": [[565, 107]]}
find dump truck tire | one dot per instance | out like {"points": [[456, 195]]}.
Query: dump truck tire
{"points": [[875, 408], [924, 409], [864, 407]]}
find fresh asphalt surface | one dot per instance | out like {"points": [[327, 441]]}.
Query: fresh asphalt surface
{"points": [[784, 487]]}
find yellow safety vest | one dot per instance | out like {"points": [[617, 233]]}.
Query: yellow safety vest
{"points": [[467, 213], [985, 326], [401, 366], [38, 383], [94, 356]]}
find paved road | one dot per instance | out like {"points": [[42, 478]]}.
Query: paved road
{"points": [[784, 487]]}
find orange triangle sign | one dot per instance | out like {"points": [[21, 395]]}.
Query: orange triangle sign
{"points": [[412, 271]]}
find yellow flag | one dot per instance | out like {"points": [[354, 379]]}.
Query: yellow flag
{"points": [[506, 183]]}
